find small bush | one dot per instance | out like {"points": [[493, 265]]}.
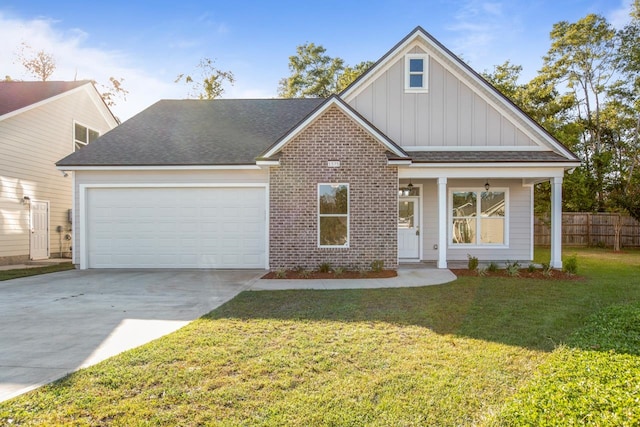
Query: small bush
{"points": [[482, 271], [305, 274], [325, 267], [513, 268], [531, 268], [281, 273], [570, 264], [338, 271], [492, 267], [377, 266], [473, 262]]}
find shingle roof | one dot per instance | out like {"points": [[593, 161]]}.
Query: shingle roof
{"points": [[195, 132], [17, 95], [485, 156]]}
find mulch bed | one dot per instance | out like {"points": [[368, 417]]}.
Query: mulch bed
{"points": [[295, 274], [524, 274]]}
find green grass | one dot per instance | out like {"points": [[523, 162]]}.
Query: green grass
{"points": [[25, 272], [478, 351]]}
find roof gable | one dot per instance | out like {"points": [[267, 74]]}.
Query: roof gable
{"points": [[19, 97], [350, 112], [458, 99]]}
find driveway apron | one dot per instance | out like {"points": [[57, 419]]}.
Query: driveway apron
{"points": [[54, 324]]}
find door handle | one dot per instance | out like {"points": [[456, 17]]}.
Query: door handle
{"points": [[417, 231]]}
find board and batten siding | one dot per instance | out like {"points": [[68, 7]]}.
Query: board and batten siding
{"points": [[519, 222], [451, 114], [166, 178], [30, 144]]}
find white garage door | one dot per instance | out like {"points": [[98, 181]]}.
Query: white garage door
{"points": [[176, 227]]}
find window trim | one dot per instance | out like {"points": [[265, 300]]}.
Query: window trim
{"points": [[425, 73], [478, 218], [347, 215], [76, 141]]}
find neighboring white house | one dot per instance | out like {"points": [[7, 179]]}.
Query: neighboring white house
{"points": [[40, 122]]}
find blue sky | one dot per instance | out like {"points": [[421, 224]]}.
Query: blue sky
{"points": [[149, 45]]}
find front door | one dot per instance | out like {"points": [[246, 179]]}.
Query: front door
{"points": [[39, 244], [409, 228]]}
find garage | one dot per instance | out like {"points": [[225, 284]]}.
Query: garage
{"points": [[175, 227]]}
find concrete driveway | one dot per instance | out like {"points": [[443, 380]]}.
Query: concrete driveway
{"points": [[54, 324]]}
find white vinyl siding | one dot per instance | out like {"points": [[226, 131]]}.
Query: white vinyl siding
{"points": [[32, 142], [454, 113], [519, 230]]}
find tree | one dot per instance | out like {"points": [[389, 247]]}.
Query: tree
{"points": [[627, 93], [582, 57], [209, 83], [112, 91], [40, 64], [314, 74]]}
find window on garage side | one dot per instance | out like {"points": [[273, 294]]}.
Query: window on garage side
{"points": [[479, 217], [333, 215], [83, 136]]}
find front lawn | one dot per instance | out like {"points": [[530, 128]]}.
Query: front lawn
{"points": [[478, 351], [34, 271]]}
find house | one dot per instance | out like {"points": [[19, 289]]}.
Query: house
{"points": [[420, 159], [40, 122]]}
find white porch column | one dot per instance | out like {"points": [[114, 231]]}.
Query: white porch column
{"points": [[442, 222], [556, 222]]}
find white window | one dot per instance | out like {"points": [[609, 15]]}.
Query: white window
{"points": [[479, 217], [83, 135], [416, 67], [333, 215]]}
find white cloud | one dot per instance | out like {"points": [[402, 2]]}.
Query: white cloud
{"points": [[477, 25], [620, 17], [75, 60]]}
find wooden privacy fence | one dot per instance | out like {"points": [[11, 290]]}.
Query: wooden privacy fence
{"points": [[590, 229]]}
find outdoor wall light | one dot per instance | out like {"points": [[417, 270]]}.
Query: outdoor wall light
{"points": [[26, 200], [487, 186]]}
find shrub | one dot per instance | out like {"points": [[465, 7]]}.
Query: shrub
{"points": [[513, 268], [492, 267], [281, 273], [325, 267], [305, 274], [570, 264], [377, 266], [482, 271], [531, 268], [338, 271], [473, 262]]}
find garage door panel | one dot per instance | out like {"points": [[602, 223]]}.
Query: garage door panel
{"points": [[176, 227]]}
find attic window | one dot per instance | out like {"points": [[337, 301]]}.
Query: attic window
{"points": [[416, 67], [83, 135]]}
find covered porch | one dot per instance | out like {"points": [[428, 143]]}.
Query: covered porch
{"points": [[446, 214]]}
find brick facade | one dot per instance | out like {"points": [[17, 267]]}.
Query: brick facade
{"points": [[294, 196]]}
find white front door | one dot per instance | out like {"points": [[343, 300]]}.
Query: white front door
{"points": [[409, 228], [39, 244]]}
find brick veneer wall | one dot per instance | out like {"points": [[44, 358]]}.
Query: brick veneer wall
{"points": [[373, 187]]}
